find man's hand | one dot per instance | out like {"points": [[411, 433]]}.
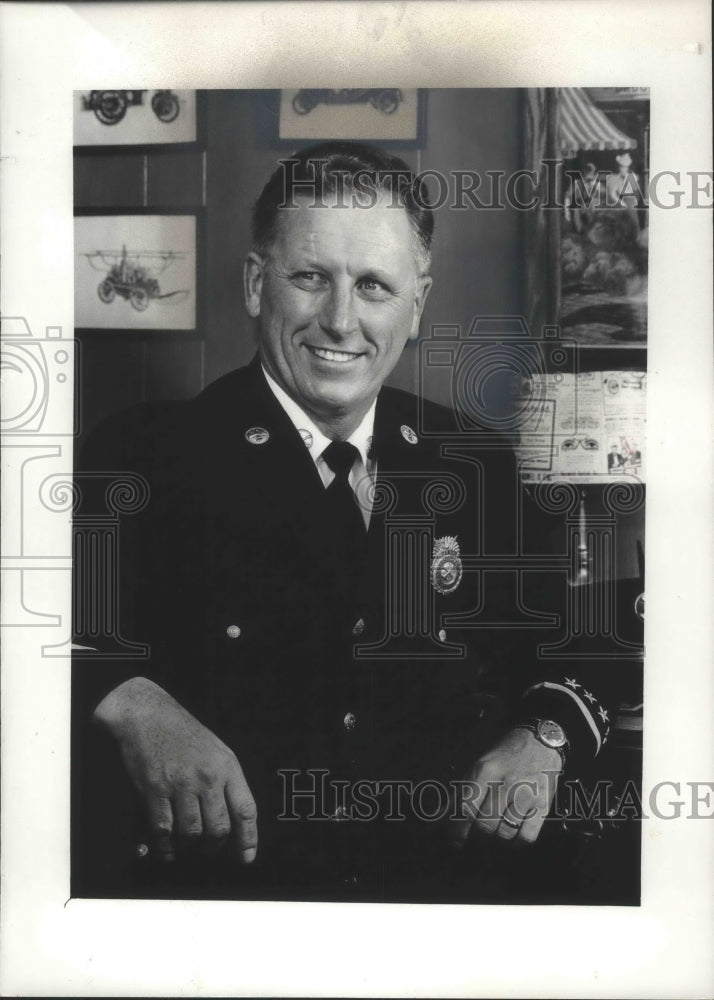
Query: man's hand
{"points": [[192, 785], [509, 790]]}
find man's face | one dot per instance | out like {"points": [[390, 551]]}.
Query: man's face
{"points": [[337, 296]]}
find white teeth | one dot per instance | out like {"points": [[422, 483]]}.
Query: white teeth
{"points": [[326, 355]]}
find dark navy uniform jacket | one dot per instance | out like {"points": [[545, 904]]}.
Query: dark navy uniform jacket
{"points": [[231, 578]]}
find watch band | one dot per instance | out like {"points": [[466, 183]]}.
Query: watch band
{"points": [[551, 734]]}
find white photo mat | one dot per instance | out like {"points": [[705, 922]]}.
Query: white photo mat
{"points": [[52, 945]]}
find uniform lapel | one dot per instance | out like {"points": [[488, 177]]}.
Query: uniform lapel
{"points": [[261, 461], [395, 457]]}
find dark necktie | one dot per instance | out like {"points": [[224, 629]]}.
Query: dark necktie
{"points": [[342, 502], [345, 523]]}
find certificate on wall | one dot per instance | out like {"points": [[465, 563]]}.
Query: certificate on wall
{"points": [[586, 427]]}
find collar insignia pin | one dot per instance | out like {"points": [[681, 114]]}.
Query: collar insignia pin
{"points": [[307, 438], [446, 566], [257, 435], [408, 434]]}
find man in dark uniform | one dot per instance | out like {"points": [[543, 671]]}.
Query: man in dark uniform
{"points": [[336, 702]]}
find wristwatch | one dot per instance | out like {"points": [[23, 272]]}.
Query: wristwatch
{"points": [[550, 734]]}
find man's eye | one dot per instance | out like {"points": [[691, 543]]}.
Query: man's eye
{"points": [[309, 279], [374, 288]]}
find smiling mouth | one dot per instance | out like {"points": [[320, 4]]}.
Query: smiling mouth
{"points": [[341, 357]]}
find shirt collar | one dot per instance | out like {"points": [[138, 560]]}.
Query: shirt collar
{"points": [[315, 440]]}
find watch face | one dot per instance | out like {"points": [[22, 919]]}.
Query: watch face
{"points": [[551, 734]]}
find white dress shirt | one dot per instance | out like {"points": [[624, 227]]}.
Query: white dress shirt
{"points": [[362, 473]]}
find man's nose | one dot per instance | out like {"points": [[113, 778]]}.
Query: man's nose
{"points": [[338, 316]]}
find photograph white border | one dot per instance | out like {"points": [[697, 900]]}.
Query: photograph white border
{"points": [[52, 945]]}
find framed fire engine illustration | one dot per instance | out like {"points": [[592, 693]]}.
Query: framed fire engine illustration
{"points": [[137, 271], [393, 115], [136, 118]]}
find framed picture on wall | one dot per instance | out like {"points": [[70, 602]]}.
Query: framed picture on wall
{"points": [[136, 118], [137, 271], [603, 136], [587, 239], [377, 114]]}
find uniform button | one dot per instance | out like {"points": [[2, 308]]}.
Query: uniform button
{"points": [[442, 635], [233, 631], [257, 435], [408, 434], [141, 850], [349, 721], [358, 627]]}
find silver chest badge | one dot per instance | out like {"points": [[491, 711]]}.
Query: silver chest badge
{"points": [[446, 566]]}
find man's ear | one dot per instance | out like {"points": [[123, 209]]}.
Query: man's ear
{"points": [[253, 271], [424, 284]]}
